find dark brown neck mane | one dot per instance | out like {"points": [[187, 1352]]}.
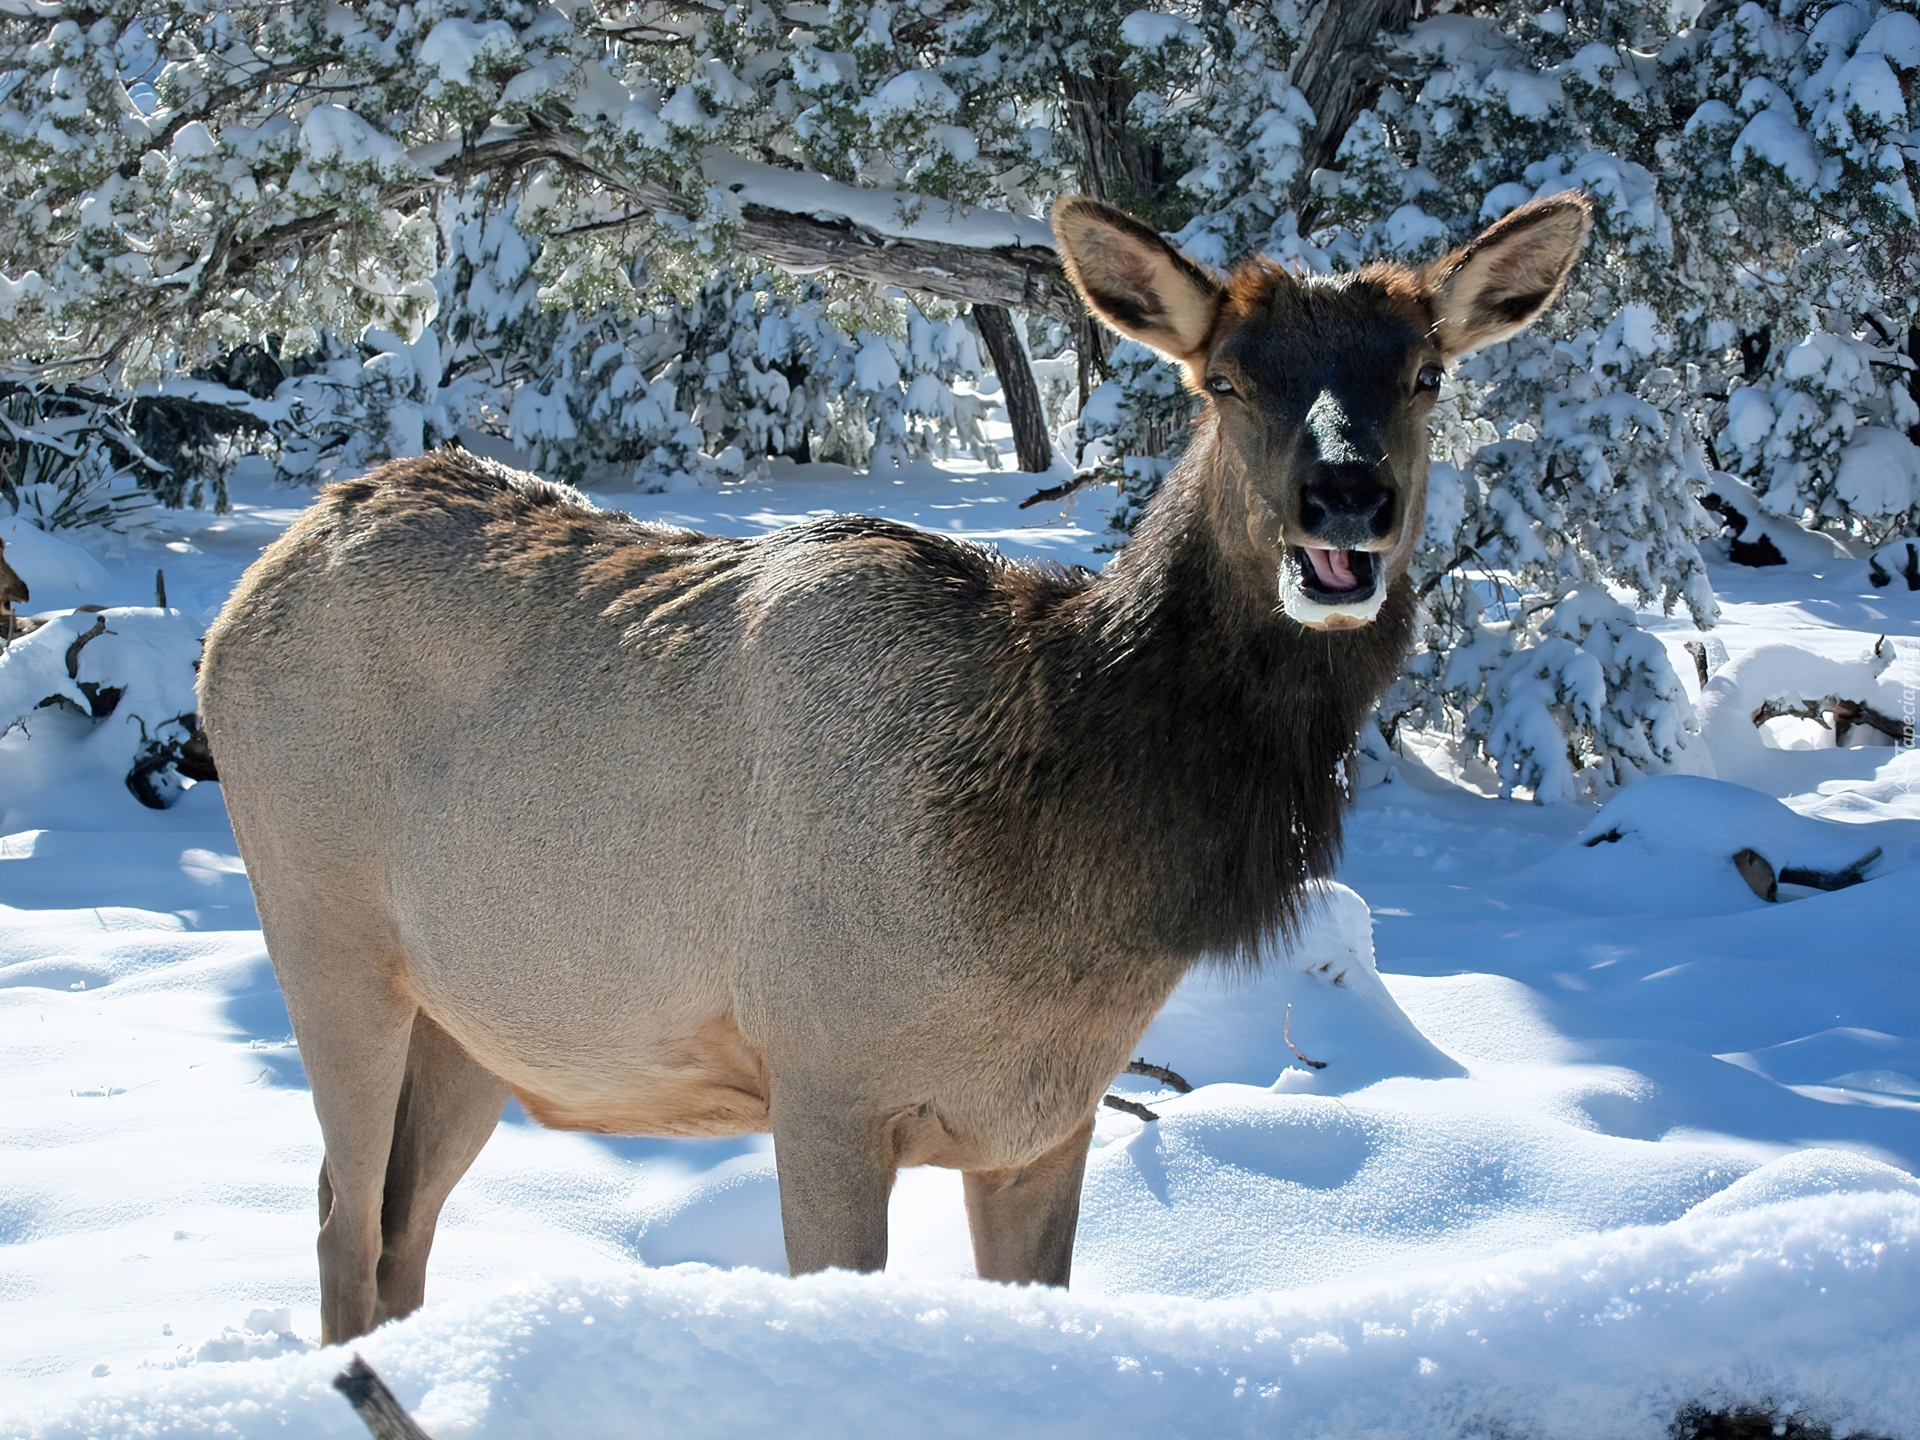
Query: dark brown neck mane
{"points": [[1162, 766]]}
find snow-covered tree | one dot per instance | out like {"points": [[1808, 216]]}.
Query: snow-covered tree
{"points": [[184, 181], [513, 216], [1747, 302], [1748, 297]]}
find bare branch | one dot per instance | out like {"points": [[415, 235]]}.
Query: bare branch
{"points": [[373, 1402], [1160, 1073], [1286, 1036], [1092, 475]]}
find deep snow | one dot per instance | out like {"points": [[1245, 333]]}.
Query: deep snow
{"points": [[1602, 1133]]}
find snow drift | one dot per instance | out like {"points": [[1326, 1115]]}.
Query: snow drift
{"points": [[1603, 1337]]}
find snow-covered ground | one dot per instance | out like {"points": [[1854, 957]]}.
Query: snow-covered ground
{"points": [[1601, 1134]]}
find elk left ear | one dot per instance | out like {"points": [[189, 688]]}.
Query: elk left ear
{"points": [[1502, 281]]}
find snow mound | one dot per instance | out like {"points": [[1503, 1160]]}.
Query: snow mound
{"points": [[1811, 1303], [1896, 564], [56, 571], [98, 693], [1844, 1058], [1802, 752], [1803, 1174], [728, 1216], [1691, 828], [1893, 794], [1222, 1026], [1749, 534], [1880, 468]]}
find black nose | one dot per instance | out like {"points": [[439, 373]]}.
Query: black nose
{"points": [[1346, 506]]}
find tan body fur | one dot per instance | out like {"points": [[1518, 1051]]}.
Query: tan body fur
{"points": [[850, 832]]}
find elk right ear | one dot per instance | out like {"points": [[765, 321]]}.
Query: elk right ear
{"points": [[1133, 280]]}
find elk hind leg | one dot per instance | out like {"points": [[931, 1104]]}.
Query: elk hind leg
{"points": [[353, 1039], [1023, 1218], [448, 1106]]}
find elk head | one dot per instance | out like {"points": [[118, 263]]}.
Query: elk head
{"points": [[1319, 388]]}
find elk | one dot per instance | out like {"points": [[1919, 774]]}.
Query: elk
{"points": [[850, 831], [13, 591]]}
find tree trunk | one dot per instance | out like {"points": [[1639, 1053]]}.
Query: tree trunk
{"points": [[1338, 72], [1024, 409], [1114, 166]]}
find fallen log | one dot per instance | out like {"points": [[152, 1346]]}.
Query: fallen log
{"points": [[1846, 715], [1765, 881]]}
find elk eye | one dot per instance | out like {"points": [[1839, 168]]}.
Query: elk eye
{"points": [[1219, 385], [1428, 379]]}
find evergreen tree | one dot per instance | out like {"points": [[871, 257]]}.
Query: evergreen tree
{"points": [[508, 215]]}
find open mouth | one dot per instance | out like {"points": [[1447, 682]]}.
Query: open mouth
{"points": [[1331, 589], [1335, 577]]}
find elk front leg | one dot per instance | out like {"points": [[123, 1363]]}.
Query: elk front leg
{"points": [[1023, 1217], [836, 1171]]}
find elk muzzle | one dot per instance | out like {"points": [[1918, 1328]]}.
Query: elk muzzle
{"points": [[1334, 576]]}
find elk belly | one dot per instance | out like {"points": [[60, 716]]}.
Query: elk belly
{"points": [[699, 1084]]}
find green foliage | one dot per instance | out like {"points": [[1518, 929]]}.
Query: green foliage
{"points": [[69, 457]]}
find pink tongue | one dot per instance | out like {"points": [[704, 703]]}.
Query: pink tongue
{"points": [[1333, 569]]}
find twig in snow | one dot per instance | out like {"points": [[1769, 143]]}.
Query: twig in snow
{"points": [[1093, 476], [1132, 1107], [373, 1402], [1286, 1034], [1160, 1073], [80, 641]]}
